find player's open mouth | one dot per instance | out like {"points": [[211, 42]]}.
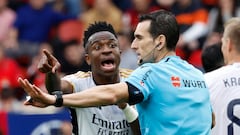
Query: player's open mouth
{"points": [[107, 64]]}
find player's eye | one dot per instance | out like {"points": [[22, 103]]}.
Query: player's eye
{"points": [[97, 47], [112, 45]]}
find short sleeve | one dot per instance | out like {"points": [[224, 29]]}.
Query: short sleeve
{"points": [[140, 79]]}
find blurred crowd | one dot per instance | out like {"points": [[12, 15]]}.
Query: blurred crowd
{"points": [[28, 26]]}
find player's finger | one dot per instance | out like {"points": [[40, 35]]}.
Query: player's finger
{"points": [[22, 84], [37, 90], [44, 67], [56, 67], [29, 87], [47, 53], [47, 67], [32, 103], [27, 103]]}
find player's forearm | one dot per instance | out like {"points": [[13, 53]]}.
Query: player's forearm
{"points": [[52, 82], [135, 127], [97, 96], [131, 115]]}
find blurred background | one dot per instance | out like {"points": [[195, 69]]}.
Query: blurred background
{"points": [[28, 26]]}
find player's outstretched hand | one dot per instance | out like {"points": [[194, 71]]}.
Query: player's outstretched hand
{"points": [[48, 63], [38, 97]]}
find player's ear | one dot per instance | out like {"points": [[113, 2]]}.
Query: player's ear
{"points": [[88, 59], [230, 45]]}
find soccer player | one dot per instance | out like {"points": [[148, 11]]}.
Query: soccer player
{"points": [[224, 83], [103, 55]]}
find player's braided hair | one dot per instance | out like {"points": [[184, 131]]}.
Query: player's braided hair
{"points": [[97, 27]]}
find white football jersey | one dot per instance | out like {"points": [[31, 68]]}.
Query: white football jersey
{"points": [[224, 86], [102, 120]]}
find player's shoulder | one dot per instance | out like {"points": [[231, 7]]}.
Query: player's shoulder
{"points": [[220, 71], [81, 74], [125, 72]]}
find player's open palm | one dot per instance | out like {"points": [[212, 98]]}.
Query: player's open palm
{"points": [[38, 97]]}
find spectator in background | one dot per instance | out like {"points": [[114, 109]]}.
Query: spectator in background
{"points": [[192, 18], [15, 4], [7, 17], [122, 4], [70, 7], [9, 102], [67, 31], [9, 71], [212, 57], [212, 38], [68, 37], [32, 26], [58, 5], [10, 92], [130, 17], [73, 58], [103, 10], [128, 55], [166, 4], [209, 4], [74, 7], [224, 10]]}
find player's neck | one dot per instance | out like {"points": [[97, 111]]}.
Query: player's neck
{"points": [[233, 59], [103, 79]]}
